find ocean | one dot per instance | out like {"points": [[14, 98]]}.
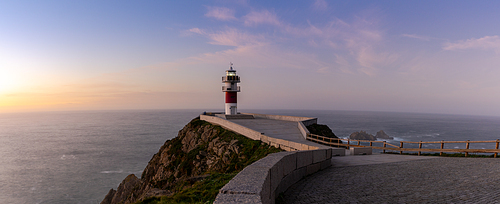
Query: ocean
{"points": [[76, 157]]}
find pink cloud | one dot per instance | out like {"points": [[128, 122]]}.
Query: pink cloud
{"points": [[262, 17], [416, 37], [221, 13], [486, 43], [234, 37], [196, 30], [320, 5], [356, 45]]}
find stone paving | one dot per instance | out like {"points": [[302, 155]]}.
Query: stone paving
{"points": [[437, 180]]}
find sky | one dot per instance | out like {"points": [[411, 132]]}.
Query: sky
{"points": [[421, 56]]}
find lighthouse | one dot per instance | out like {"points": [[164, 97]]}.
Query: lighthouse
{"points": [[231, 88]]}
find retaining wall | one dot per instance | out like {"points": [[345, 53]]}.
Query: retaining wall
{"points": [[255, 135], [263, 180]]}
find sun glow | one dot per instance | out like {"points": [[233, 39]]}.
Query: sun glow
{"points": [[8, 81]]}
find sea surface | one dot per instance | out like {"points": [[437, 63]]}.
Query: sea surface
{"points": [[77, 157]]}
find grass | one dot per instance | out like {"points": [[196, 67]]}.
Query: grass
{"points": [[203, 191]]}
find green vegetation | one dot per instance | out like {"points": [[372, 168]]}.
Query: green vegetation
{"points": [[203, 191]]}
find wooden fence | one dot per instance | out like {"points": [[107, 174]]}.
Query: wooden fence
{"points": [[336, 142]]}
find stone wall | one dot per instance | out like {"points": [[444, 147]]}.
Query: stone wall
{"points": [[263, 180]]}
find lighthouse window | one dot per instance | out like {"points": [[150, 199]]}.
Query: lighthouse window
{"points": [[231, 73]]}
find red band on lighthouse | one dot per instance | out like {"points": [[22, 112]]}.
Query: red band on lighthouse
{"points": [[231, 97]]}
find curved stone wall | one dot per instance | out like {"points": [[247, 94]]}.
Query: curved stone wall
{"points": [[263, 180]]}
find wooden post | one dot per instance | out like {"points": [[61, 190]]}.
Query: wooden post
{"points": [[401, 146], [384, 146], [442, 146], [496, 147], [420, 147], [467, 147]]}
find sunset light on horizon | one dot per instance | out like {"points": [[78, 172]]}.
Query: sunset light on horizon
{"points": [[397, 56]]}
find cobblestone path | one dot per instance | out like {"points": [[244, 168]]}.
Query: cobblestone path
{"points": [[440, 180]]}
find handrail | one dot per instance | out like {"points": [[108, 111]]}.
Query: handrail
{"points": [[351, 143]]}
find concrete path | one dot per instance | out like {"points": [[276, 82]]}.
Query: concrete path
{"points": [[281, 129], [401, 179], [373, 159]]}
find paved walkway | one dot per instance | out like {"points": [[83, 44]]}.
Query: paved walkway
{"points": [[400, 179], [373, 159]]}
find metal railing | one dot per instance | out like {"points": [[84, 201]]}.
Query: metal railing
{"points": [[237, 89], [384, 145], [234, 79]]}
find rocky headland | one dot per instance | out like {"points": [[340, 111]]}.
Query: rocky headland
{"points": [[191, 167]]}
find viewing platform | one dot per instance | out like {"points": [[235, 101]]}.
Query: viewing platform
{"points": [[309, 172], [286, 132], [263, 180]]}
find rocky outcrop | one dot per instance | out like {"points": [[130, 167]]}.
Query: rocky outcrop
{"points": [[199, 150], [381, 135], [322, 130], [362, 135]]}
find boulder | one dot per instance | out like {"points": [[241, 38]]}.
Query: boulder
{"points": [[381, 135], [362, 135]]}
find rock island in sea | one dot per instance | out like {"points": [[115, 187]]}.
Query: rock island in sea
{"points": [[191, 167]]}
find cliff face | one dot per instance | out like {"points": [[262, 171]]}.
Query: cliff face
{"points": [[200, 149]]}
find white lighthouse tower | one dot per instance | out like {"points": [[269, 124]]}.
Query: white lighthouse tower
{"points": [[231, 88]]}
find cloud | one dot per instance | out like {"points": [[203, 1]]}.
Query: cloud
{"points": [[262, 17], [372, 61], [484, 43], [234, 37], [416, 37], [320, 5], [229, 37], [221, 13], [354, 47], [258, 50], [197, 31]]}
